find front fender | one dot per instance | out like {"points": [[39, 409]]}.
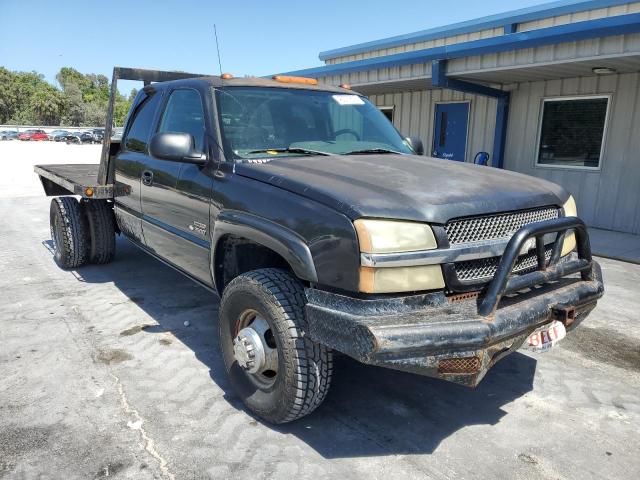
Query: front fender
{"points": [[269, 234]]}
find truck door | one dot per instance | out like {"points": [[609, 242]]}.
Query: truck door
{"points": [[175, 195], [130, 162]]}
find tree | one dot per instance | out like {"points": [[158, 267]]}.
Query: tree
{"points": [[47, 105], [81, 100], [74, 111], [94, 114]]}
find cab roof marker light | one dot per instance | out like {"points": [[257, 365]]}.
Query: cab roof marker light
{"points": [[290, 79]]}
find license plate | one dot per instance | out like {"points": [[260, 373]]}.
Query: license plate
{"points": [[546, 337]]}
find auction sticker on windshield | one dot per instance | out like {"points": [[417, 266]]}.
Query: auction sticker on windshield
{"points": [[546, 337], [348, 99]]}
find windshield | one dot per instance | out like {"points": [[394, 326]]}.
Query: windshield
{"points": [[258, 122]]}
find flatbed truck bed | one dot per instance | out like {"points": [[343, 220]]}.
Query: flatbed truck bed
{"points": [[77, 179]]}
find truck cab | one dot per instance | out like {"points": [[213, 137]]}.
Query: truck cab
{"points": [[323, 229]]}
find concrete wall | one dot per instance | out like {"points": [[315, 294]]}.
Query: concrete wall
{"points": [[47, 129]]}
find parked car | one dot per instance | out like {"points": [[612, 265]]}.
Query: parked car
{"points": [[61, 136], [53, 133], [9, 135], [77, 137], [98, 134], [324, 231], [34, 134]]}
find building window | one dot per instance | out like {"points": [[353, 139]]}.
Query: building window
{"points": [[572, 132], [387, 112]]}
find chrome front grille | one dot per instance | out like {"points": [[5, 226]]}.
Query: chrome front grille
{"points": [[485, 268], [500, 226], [493, 227]]}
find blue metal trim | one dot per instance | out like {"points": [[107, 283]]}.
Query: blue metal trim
{"points": [[500, 133], [439, 79], [536, 12], [601, 27], [180, 233]]}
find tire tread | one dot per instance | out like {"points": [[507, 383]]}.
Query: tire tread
{"points": [[73, 252], [312, 362], [102, 234]]}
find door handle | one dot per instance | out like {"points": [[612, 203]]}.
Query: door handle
{"points": [[147, 177]]}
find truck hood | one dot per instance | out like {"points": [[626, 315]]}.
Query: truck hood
{"points": [[406, 187]]}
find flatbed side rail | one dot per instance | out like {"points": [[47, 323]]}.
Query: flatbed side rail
{"points": [[502, 284], [123, 73]]}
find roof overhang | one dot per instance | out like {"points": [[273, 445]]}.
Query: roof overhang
{"points": [[602, 27], [529, 14]]}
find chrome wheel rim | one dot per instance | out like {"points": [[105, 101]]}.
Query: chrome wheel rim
{"points": [[255, 349]]}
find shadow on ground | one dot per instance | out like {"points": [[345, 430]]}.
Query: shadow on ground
{"points": [[369, 411]]}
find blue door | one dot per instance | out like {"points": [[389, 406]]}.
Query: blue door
{"points": [[450, 131]]}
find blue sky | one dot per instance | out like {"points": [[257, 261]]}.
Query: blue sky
{"points": [[256, 37]]}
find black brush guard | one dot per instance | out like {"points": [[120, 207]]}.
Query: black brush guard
{"points": [[459, 338]]}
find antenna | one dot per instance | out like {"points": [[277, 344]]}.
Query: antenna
{"points": [[215, 33]]}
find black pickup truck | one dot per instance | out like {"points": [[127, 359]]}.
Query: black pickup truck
{"points": [[323, 229]]}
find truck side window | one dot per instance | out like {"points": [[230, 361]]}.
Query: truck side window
{"points": [[138, 134], [184, 114]]}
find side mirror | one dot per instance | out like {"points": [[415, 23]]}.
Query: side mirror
{"points": [[416, 144], [176, 147]]}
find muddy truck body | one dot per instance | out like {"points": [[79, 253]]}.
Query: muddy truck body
{"points": [[323, 230]]}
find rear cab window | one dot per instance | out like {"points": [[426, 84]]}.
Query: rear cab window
{"points": [[137, 136]]}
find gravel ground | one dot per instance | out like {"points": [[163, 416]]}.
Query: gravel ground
{"points": [[100, 378]]}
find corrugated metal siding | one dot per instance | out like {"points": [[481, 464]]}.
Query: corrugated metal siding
{"points": [[380, 75], [414, 114], [609, 198], [580, 16], [569, 51], [633, 7], [467, 37]]}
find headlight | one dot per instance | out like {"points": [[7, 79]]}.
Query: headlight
{"points": [[391, 236], [570, 210]]}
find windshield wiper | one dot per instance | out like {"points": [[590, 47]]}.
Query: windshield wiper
{"points": [[305, 151], [372, 150]]}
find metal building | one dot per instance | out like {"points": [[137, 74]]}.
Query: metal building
{"points": [[551, 91]]}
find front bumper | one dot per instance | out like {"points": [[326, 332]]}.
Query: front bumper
{"points": [[459, 338]]}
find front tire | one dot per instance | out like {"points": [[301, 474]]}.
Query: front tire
{"points": [[297, 379], [68, 232]]}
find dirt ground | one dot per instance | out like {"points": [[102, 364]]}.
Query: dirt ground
{"points": [[100, 378]]}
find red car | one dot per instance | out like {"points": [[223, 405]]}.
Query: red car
{"points": [[33, 135]]}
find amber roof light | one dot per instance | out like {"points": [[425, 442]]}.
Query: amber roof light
{"points": [[226, 76], [289, 79]]}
